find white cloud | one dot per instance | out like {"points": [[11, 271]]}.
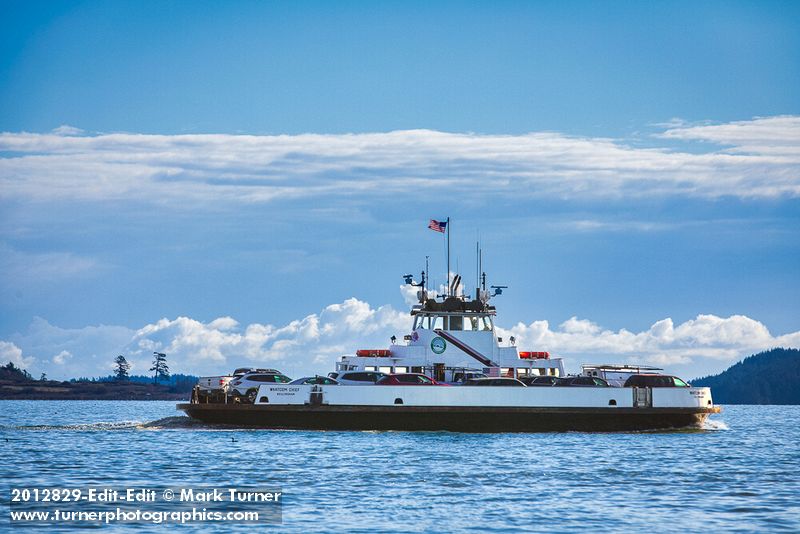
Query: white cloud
{"points": [[9, 352], [66, 129], [92, 347], [308, 344], [703, 341], [762, 160], [698, 346], [62, 357], [764, 135]]}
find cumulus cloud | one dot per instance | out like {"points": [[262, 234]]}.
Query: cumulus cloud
{"points": [[62, 357], [9, 352], [705, 344], [707, 337], [761, 159], [307, 344]]}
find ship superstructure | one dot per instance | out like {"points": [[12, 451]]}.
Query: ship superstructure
{"points": [[454, 338]]}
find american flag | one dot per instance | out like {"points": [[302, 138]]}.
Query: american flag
{"points": [[437, 226]]}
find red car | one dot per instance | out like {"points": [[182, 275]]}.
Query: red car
{"points": [[408, 379]]}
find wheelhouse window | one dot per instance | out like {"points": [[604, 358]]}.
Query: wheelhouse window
{"points": [[370, 368], [387, 370], [422, 322], [401, 369]]}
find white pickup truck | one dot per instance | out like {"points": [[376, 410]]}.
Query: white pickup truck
{"points": [[212, 383], [215, 388]]}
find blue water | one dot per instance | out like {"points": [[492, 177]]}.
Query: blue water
{"points": [[740, 473]]}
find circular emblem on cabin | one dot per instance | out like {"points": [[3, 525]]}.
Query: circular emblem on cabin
{"points": [[438, 345]]}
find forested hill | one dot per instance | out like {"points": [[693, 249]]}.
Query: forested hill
{"points": [[771, 377]]}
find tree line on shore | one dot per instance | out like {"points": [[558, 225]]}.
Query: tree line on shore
{"points": [[161, 375]]}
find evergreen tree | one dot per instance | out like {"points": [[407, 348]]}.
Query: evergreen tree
{"points": [[121, 368], [43, 377], [12, 372], [160, 367]]}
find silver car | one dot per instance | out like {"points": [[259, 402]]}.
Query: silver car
{"points": [[357, 378]]}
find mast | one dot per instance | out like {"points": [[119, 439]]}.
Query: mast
{"points": [[447, 228], [477, 267]]}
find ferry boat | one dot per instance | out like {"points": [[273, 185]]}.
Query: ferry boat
{"points": [[453, 338]]}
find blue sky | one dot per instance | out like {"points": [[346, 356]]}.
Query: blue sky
{"points": [[235, 182]]}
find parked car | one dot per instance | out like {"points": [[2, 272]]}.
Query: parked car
{"points": [[408, 379], [513, 382], [461, 377], [538, 381], [315, 380], [247, 384], [583, 381], [357, 378], [655, 381]]}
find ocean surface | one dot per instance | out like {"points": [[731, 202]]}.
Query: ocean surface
{"points": [[740, 473]]}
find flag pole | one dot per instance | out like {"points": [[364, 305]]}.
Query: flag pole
{"points": [[447, 227]]}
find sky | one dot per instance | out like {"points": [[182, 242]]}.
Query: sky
{"points": [[245, 183]]}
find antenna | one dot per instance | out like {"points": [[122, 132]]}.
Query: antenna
{"points": [[426, 273], [477, 264], [480, 267]]}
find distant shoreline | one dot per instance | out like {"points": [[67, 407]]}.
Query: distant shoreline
{"points": [[54, 390]]}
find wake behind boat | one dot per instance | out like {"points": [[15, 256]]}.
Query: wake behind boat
{"points": [[453, 342]]}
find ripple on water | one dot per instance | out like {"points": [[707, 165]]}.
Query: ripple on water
{"points": [[740, 474]]}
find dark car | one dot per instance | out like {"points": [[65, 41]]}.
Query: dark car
{"points": [[315, 380], [584, 381], [408, 379], [538, 381], [513, 382], [655, 381]]}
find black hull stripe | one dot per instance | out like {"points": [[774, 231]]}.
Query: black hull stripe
{"points": [[460, 419]]}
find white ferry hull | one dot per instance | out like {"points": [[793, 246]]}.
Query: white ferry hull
{"points": [[463, 408]]}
